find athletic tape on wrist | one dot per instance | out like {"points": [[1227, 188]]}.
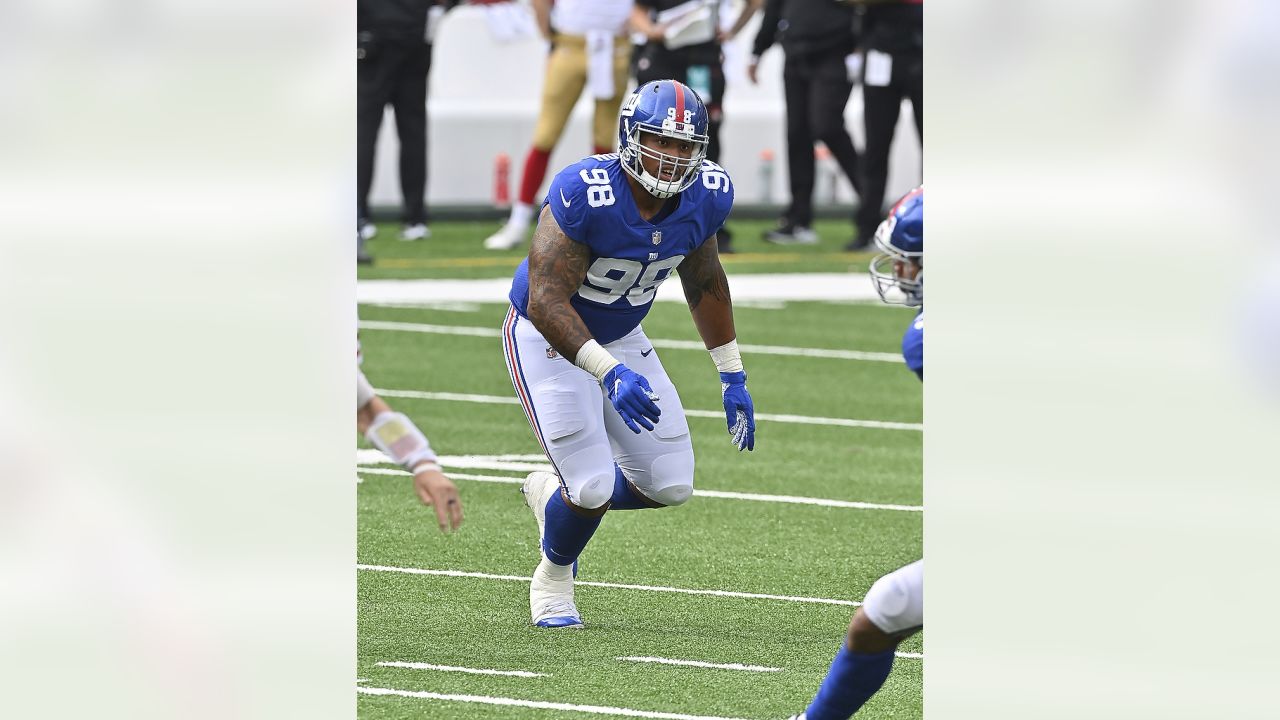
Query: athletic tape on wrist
{"points": [[399, 439], [595, 359], [727, 358]]}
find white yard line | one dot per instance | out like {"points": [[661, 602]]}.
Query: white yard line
{"points": [[700, 664], [454, 668], [720, 494], [615, 586], [795, 500], [777, 287], [506, 480], [526, 462], [538, 704], [769, 417], [909, 656], [456, 397], [657, 342], [445, 306]]}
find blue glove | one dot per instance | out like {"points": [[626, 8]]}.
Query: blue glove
{"points": [[632, 397], [739, 413]]}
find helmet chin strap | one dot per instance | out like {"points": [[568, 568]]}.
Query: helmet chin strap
{"points": [[633, 162], [658, 188]]}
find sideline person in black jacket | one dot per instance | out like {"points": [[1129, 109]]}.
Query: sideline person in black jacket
{"points": [[817, 36], [893, 36], [393, 58]]}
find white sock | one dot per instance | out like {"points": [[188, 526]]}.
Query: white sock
{"points": [[557, 573], [521, 216]]}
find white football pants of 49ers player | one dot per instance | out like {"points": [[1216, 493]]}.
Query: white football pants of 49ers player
{"points": [[583, 434]]}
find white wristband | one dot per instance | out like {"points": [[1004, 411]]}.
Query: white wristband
{"points": [[595, 359], [424, 467], [727, 358]]}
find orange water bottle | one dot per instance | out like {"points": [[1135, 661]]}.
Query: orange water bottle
{"points": [[502, 182]]}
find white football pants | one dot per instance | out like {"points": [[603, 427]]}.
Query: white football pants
{"points": [[579, 429], [896, 601]]}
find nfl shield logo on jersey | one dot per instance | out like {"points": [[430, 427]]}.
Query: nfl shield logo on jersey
{"points": [[657, 237]]}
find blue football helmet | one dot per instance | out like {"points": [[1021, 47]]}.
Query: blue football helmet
{"points": [[900, 264], [668, 108]]}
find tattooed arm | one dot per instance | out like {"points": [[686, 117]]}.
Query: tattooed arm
{"points": [[706, 289], [557, 267]]}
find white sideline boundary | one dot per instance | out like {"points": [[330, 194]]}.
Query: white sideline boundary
{"points": [[538, 704], [832, 353], [363, 461], [717, 414], [701, 664], [457, 669], [614, 586], [761, 287]]}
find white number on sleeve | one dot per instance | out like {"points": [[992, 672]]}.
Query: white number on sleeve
{"points": [[714, 177], [599, 191]]}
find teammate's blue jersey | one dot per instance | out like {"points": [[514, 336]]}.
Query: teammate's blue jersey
{"points": [[913, 346], [630, 256]]}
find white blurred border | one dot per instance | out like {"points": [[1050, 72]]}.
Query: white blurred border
{"points": [[1100, 463], [176, 284]]}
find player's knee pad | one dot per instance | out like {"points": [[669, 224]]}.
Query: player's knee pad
{"points": [[672, 495], [588, 476], [593, 493], [895, 602], [670, 480], [364, 390]]}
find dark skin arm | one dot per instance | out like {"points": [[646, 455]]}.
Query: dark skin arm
{"points": [[706, 289], [557, 267]]}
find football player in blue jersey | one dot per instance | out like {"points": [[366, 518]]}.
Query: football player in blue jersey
{"points": [[893, 609], [612, 228]]}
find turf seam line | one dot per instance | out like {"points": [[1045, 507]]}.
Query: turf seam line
{"points": [[614, 586], [717, 414], [538, 704], [459, 669], [700, 664], [753, 497], [665, 343]]}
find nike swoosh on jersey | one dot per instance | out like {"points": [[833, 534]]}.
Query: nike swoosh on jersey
{"points": [[645, 353], [563, 199]]}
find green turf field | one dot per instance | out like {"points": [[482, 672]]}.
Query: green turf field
{"points": [[454, 251], [813, 558]]}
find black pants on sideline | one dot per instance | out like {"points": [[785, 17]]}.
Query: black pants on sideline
{"points": [[881, 107], [395, 74], [817, 88], [660, 65]]}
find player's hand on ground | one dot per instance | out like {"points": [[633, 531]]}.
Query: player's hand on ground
{"points": [[632, 397], [438, 491], [739, 412]]}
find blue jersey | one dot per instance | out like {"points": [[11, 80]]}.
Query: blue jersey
{"points": [[913, 346], [630, 256]]}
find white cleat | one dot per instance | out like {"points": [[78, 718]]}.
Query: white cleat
{"points": [[537, 490], [551, 597], [510, 236], [417, 231], [551, 591]]}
